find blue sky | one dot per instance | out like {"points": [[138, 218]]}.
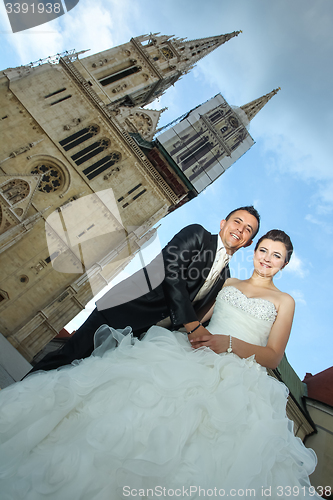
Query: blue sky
{"points": [[288, 173]]}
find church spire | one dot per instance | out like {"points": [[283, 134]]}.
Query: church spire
{"points": [[191, 51], [253, 107], [141, 71]]}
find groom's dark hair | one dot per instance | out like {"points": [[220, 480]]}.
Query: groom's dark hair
{"points": [[251, 211]]}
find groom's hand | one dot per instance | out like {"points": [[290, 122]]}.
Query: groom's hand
{"points": [[217, 343]]}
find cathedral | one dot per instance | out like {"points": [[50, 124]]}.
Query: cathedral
{"points": [[86, 175]]}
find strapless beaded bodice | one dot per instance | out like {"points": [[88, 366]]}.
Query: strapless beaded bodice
{"points": [[235, 314], [255, 306]]}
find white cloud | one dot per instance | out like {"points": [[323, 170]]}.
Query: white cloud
{"points": [[96, 26], [296, 266], [326, 194], [36, 43], [90, 25], [319, 222], [298, 295]]}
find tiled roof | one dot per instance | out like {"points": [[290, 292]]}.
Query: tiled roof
{"points": [[320, 386], [63, 334]]}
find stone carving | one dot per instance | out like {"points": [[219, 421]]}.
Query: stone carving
{"points": [[233, 122], [142, 122], [15, 190], [119, 88], [101, 62], [109, 174], [3, 296], [39, 267], [5, 223], [21, 150], [18, 211], [74, 123], [104, 143]]}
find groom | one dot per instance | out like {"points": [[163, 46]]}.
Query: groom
{"points": [[196, 267]]}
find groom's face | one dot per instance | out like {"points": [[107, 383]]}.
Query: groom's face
{"points": [[237, 231]]}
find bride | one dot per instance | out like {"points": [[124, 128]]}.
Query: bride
{"points": [[163, 417]]}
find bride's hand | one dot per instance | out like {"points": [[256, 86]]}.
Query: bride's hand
{"points": [[217, 343], [200, 332]]}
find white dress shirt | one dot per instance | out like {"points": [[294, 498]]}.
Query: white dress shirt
{"points": [[220, 261]]}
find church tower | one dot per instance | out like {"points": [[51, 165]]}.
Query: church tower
{"points": [[138, 72], [210, 138], [253, 107]]}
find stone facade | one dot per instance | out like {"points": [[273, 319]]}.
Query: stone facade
{"points": [[55, 151]]}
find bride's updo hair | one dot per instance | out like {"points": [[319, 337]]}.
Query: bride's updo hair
{"points": [[278, 235]]}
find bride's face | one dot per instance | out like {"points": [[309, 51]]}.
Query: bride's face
{"points": [[269, 258]]}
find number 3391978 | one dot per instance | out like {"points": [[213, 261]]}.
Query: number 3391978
{"points": [[32, 8]]}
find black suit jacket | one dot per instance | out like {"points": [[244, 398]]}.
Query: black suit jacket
{"points": [[187, 260]]}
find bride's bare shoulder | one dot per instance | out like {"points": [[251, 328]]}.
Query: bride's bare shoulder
{"points": [[286, 300], [231, 282]]}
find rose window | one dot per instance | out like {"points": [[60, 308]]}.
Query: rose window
{"points": [[52, 177]]}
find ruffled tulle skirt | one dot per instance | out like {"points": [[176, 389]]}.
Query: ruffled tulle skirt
{"points": [[152, 419]]}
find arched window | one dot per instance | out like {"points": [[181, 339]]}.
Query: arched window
{"points": [[55, 92], [79, 137], [91, 151], [127, 199], [61, 99], [102, 165], [119, 75]]}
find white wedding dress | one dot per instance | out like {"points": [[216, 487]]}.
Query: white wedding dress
{"points": [[155, 418]]}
